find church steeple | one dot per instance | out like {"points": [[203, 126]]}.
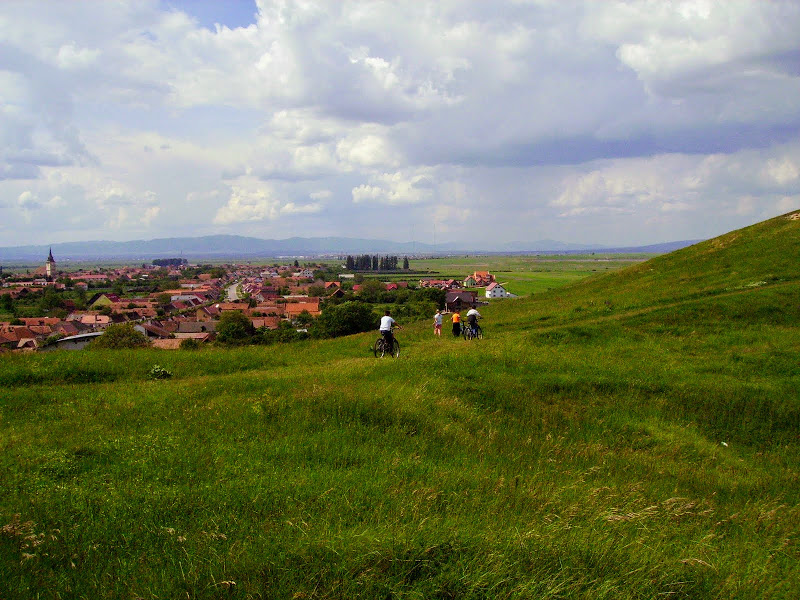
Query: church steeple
{"points": [[50, 265]]}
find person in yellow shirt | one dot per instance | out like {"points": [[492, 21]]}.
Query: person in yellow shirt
{"points": [[456, 324]]}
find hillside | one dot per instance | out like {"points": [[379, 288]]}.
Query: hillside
{"points": [[634, 435]]}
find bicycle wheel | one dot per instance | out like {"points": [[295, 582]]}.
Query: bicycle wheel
{"points": [[479, 333], [379, 348], [396, 349]]}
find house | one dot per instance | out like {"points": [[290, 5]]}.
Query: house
{"points": [[483, 278], [458, 300], [66, 328], [294, 309], [268, 322], [496, 290], [29, 321], [223, 306], [207, 313], [479, 279], [200, 337], [96, 321], [152, 331], [99, 300], [444, 284], [27, 344], [73, 342], [196, 327]]}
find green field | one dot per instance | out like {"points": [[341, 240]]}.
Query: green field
{"points": [[526, 274], [633, 435]]}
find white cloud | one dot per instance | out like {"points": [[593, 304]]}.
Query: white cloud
{"points": [[783, 170], [397, 188], [321, 195], [255, 201], [367, 150], [136, 117]]}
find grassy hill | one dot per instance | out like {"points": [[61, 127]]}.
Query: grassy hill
{"points": [[634, 435]]}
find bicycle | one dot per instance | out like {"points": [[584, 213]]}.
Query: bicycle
{"points": [[471, 333], [381, 348]]}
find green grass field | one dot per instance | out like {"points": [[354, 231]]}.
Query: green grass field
{"points": [[633, 435], [523, 275]]}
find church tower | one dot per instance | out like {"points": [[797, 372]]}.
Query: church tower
{"points": [[50, 266]]}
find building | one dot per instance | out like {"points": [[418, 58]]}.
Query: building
{"points": [[496, 290], [50, 266]]}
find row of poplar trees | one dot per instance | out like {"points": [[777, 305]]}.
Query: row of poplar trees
{"points": [[366, 262]]}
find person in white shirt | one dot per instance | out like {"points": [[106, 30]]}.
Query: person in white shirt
{"points": [[387, 323], [472, 318], [437, 323]]}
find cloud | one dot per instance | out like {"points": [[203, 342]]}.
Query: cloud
{"points": [[744, 183], [396, 188], [253, 201], [321, 195], [559, 117]]}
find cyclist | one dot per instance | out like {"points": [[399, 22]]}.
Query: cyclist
{"points": [[472, 318], [387, 323]]}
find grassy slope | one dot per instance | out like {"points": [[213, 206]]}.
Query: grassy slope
{"points": [[576, 452]]}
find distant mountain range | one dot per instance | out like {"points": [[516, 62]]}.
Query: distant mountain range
{"points": [[235, 246]]}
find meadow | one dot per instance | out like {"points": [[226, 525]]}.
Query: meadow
{"points": [[631, 435], [523, 275]]}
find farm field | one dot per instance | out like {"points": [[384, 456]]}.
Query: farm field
{"points": [[630, 435], [527, 274]]}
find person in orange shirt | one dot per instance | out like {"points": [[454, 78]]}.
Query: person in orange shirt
{"points": [[456, 324]]}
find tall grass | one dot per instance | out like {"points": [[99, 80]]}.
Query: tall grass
{"points": [[608, 452]]}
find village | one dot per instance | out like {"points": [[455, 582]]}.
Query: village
{"points": [[189, 301]]}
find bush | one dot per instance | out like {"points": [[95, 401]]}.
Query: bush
{"points": [[159, 372], [344, 319], [120, 336], [234, 328]]}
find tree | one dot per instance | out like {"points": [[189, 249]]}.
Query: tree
{"points": [[316, 291], [7, 303], [234, 328], [344, 319], [371, 290], [120, 336], [304, 319], [50, 299], [163, 299], [405, 263]]}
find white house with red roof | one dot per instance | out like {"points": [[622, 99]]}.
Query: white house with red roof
{"points": [[496, 290]]}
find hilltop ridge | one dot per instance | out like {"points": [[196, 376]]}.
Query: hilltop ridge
{"points": [[754, 256]]}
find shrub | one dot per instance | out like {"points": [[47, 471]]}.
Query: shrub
{"points": [[159, 372], [344, 319], [234, 328], [120, 336]]}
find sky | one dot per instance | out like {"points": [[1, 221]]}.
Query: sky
{"points": [[596, 122]]}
